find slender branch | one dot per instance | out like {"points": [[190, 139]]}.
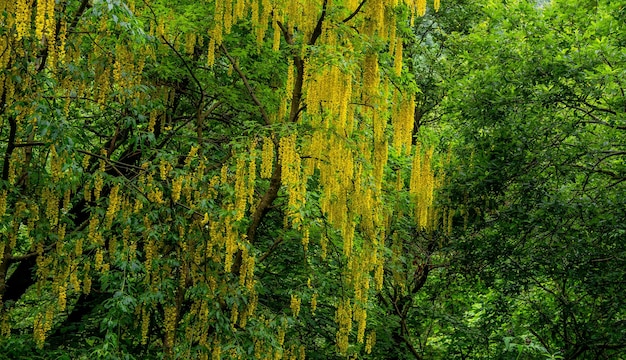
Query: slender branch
{"points": [[541, 340], [81, 9], [604, 123], [110, 161], [29, 144], [266, 201], [594, 119], [247, 85], [355, 12], [270, 250], [601, 109], [191, 73], [17, 258], [296, 95], [410, 346], [172, 133], [318, 27]]}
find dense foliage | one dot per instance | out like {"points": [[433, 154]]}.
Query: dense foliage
{"points": [[312, 179]]}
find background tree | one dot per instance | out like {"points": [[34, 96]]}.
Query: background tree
{"points": [[541, 185]]}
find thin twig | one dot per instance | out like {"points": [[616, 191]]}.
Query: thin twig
{"points": [[355, 12], [247, 85]]}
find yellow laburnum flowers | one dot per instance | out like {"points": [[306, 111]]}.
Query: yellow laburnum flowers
{"points": [[292, 178]]}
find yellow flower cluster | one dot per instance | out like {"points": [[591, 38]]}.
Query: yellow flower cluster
{"points": [[378, 277], [94, 236], [422, 187], [295, 304], [78, 247], [281, 332], [42, 325], [277, 33], [234, 314], [211, 53], [22, 18], [98, 183], [360, 316], [421, 7], [150, 250], [397, 58], [313, 303], [251, 183], [2, 248], [50, 199], [74, 278], [61, 48], [381, 154], [145, 324], [216, 353], [67, 204], [403, 122], [328, 94], [87, 280], [343, 318], [3, 203], [371, 76], [292, 178], [190, 42], [177, 186], [230, 240], [246, 272], [6, 325], [170, 319], [40, 19], [38, 331], [98, 261], [62, 296], [241, 192], [191, 155], [323, 246], [114, 204], [305, 238], [370, 341], [55, 164]]}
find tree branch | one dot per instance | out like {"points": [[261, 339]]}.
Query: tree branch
{"points": [[318, 27], [247, 85], [191, 73], [29, 144], [270, 250], [266, 201], [296, 94], [355, 12], [81, 9]]}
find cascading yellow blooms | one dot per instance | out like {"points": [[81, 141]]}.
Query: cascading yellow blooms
{"points": [[295, 304], [345, 109], [292, 178], [403, 122], [343, 318], [422, 187]]}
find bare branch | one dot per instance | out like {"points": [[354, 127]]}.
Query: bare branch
{"points": [[271, 249], [355, 12], [247, 85], [318, 27]]}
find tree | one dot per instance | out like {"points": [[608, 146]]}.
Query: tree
{"points": [[176, 176], [541, 186]]}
